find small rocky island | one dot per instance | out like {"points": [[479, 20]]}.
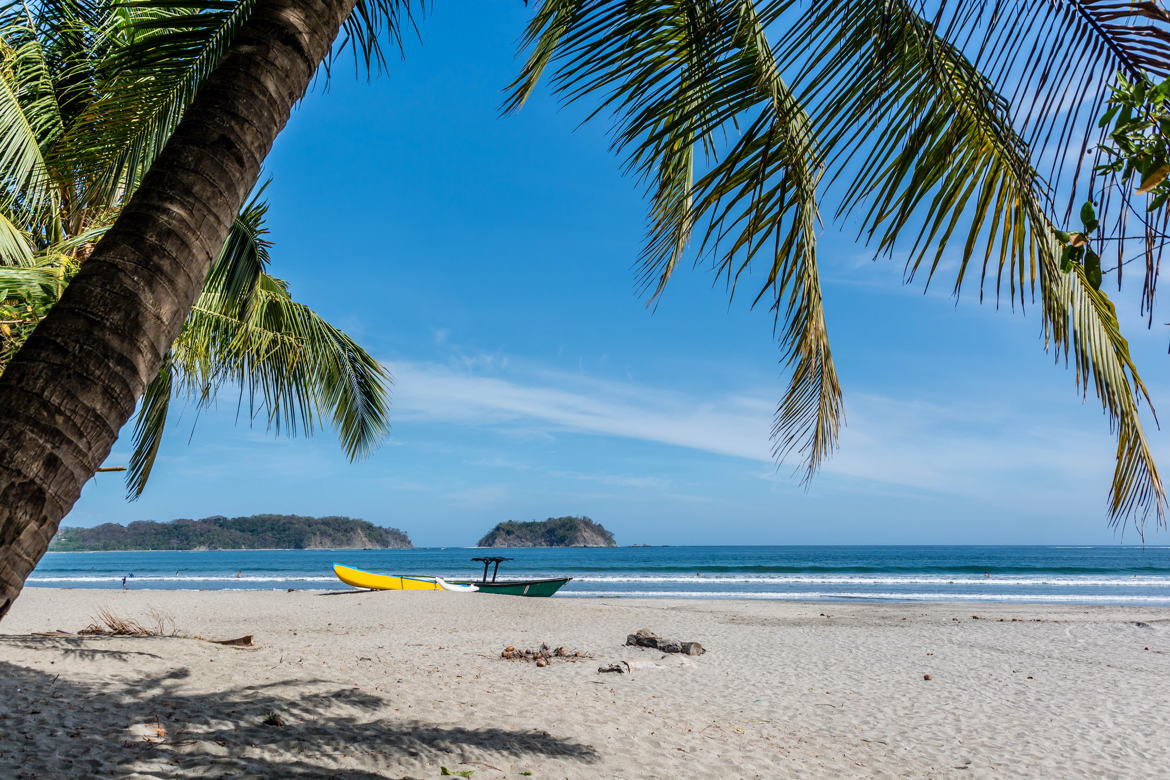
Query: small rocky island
{"points": [[553, 532], [257, 532]]}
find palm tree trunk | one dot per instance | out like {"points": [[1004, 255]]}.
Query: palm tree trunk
{"points": [[76, 381]]}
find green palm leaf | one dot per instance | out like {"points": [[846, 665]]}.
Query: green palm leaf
{"points": [[149, 425], [26, 281], [288, 361], [928, 139], [158, 55], [244, 257], [678, 77], [28, 119], [15, 244], [1083, 321], [370, 24]]}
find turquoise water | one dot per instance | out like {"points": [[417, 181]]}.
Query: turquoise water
{"points": [[1088, 575]]}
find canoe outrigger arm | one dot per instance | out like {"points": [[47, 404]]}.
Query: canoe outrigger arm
{"points": [[488, 562]]}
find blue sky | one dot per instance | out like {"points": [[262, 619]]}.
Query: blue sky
{"points": [[489, 262]]}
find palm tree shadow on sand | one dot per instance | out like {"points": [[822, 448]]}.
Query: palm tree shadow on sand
{"points": [[78, 648], [155, 726]]}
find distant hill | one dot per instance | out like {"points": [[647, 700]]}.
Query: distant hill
{"points": [[553, 532], [281, 532]]}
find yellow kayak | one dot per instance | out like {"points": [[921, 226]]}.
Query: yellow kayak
{"points": [[364, 579]]}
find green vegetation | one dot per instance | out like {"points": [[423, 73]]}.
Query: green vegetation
{"points": [[1139, 142], [258, 532], [553, 532]]}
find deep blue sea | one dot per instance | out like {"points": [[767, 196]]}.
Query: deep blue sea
{"points": [[1089, 575]]}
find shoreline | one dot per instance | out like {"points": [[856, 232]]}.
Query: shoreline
{"points": [[404, 683], [1021, 601]]}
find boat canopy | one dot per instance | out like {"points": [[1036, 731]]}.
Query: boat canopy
{"points": [[488, 562]]}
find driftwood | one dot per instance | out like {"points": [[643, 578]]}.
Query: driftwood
{"points": [[242, 641], [647, 638]]}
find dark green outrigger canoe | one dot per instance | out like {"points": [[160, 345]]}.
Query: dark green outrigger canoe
{"points": [[511, 587]]}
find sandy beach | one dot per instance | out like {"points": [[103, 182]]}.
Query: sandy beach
{"points": [[366, 685]]}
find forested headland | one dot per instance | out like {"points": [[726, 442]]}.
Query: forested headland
{"points": [[553, 532], [257, 532]]}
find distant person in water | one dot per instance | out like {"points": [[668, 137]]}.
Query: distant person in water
{"points": [[239, 574], [124, 587]]}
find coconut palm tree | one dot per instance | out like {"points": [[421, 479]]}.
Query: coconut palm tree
{"points": [[930, 122], [183, 176], [244, 329]]}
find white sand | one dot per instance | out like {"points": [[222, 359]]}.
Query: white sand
{"points": [[400, 684]]}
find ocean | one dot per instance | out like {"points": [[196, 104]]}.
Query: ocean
{"points": [[1058, 574]]}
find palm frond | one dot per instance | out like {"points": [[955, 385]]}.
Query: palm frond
{"points": [[157, 53], [26, 282], [28, 120], [71, 34], [149, 425], [1083, 321], [928, 138], [27, 291], [231, 285], [370, 24], [288, 362], [1060, 56], [77, 242], [542, 37], [15, 244], [1055, 61], [678, 78], [763, 195], [244, 257]]}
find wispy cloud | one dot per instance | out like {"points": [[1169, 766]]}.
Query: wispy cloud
{"points": [[547, 401], [963, 446]]}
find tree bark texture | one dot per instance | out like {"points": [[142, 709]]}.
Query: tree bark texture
{"points": [[75, 383]]}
